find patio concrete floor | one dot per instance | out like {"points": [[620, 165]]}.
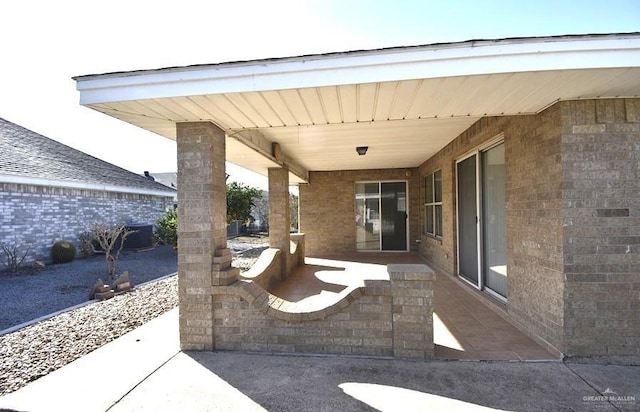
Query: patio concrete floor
{"points": [[464, 326], [152, 374]]}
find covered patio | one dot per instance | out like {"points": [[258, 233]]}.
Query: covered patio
{"points": [[509, 165], [464, 327]]}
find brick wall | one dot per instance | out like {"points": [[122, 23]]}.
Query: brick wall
{"points": [[240, 325], [385, 318], [39, 216], [534, 215], [601, 205], [573, 221], [441, 252], [534, 224], [327, 208]]}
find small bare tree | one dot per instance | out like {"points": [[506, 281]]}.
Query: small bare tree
{"points": [[13, 257], [110, 240]]}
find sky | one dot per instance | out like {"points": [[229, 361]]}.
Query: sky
{"points": [[44, 43]]}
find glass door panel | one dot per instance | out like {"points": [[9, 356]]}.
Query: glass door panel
{"points": [[394, 215], [381, 216], [468, 220], [494, 220], [367, 216]]}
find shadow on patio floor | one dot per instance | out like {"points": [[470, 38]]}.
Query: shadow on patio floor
{"points": [[464, 327]]}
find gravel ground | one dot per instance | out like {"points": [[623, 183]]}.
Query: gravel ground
{"points": [[36, 350], [59, 286]]}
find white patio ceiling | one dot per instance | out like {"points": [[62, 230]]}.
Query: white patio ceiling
{"points": [[405, 104]]}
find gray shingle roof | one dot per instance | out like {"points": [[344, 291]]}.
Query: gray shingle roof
{"points": [[29, 154], [167, 178]]}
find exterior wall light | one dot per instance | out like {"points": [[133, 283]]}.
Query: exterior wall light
{"points": [[362, 150]]}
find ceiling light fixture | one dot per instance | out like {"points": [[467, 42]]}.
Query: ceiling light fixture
{"points": [[362, 150]]}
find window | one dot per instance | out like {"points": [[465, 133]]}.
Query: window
{"points": [[433, 204]]}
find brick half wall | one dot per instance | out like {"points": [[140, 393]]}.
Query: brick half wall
{"points": [[391, 317]]}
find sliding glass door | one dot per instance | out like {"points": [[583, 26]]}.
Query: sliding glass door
{"points": [[482, 220], [381, 216]]}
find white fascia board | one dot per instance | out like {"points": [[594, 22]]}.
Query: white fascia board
{"points": [[473, 58], [38, 181]]}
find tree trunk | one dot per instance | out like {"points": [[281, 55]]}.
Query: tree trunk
{"points": [[111, 266]]}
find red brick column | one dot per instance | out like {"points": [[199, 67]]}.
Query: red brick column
{"points": [[203, 257], [279, 219]]}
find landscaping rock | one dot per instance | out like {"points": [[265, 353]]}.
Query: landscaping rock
{"points": [[56, 287], [104, 295], [36, 350], [98, 287], [124, 278], [123, 287]]}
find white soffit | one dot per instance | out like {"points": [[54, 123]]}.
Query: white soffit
{"points": [[404, 103]]}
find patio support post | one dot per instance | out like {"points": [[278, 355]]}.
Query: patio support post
{"points": [[412, 307], [203, 257], [279, 219]]}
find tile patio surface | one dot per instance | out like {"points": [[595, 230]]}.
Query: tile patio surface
{"points": [[464, 327]]}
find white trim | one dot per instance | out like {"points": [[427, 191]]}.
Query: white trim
{"points": [[470, 283], [495, 294], [477, 285], [489, 144], [433, 204], [38, 181], [479, 225], [423, 62]]}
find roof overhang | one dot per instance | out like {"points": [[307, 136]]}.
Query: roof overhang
{"points": [[71, 184], [404, 103]]}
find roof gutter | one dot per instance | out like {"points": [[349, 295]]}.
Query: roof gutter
{"points": [[37, 181]]}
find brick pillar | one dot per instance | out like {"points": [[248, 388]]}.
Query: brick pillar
{"points": [[412, 307], [279, 220], [203, 257]]}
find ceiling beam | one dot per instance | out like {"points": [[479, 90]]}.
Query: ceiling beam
{"points": [[272, 151]]}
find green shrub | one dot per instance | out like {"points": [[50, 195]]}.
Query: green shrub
{"points": [[63, 252], [166, 228]]}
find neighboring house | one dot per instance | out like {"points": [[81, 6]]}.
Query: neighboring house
{"points": [[51, 192], [169, 179], [512, 165]]}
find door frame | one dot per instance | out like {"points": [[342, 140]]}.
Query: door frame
{"points": [[478, 286], [380, 182], [495, 141]]}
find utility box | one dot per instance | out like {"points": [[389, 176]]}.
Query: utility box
{"points": [[142, 238]]}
